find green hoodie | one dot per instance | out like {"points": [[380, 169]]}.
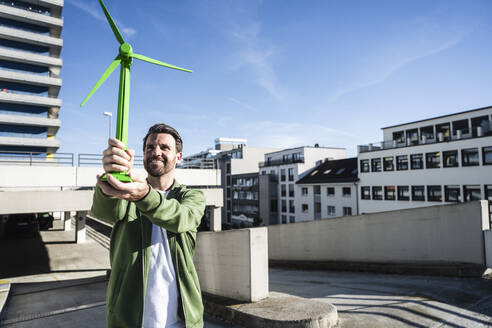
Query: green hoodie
{"points": [[180, 214]]}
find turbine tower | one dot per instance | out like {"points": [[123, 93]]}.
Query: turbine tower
{"points": [[124, 59]]}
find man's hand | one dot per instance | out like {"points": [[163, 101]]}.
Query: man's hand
{"points": [[130, 191], [116, 158]]}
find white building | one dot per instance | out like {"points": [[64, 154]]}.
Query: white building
{"points": [[278, 174], [328, 191], [439, 160], [30, 64]]}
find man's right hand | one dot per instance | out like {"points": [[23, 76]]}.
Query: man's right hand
{"points": [[115, 158]]}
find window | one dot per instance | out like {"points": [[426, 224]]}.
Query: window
{"points": [[402, 162], [304, 191], [286, 158], [291, 190], [292, 208], [418, 193], [412, 137], [487, 155], [330, 191], [450, 158], [317, 190], [346, 191], [273, 205], [389, 193], [296, 157], [403, 193], [427, 132], [461, 125], [331, 210], [305, 208], [228, 192], [478, 121], [284, 219], [443, 129], [317, 207], [469, 157], [291, 174], [235, 195], [376, 165], [283, 192], [364, 165], [228, 167], [347, 211], [365, 192], [417, 161], [399, 136], [292, 219], [488, 192], [452, 193], [340, 170], [471, 192], [388, 163], [377, 193], [434, 193], [433, 160], [282, 174], [284, 205]]}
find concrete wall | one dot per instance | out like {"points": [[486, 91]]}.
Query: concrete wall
{"points": [[233, 263], [488, 247], [451, 233]]}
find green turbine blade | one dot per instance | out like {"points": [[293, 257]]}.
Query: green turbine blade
{"points": [[103, 78], [157, 62], [116, 32]]}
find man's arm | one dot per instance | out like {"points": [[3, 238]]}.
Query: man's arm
{"points": [[171, 214], [107, 208]]}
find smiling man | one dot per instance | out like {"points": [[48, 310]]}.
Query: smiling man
{"points": [[153, 280]]}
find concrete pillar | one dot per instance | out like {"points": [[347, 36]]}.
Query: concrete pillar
{"points": [[67, 221], [215, 218], [80, 227]]}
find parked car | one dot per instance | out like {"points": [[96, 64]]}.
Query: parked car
{"points": [[22, 225], [45, 221]]}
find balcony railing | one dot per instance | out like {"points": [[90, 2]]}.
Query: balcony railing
{"points": [[393, 144], [35, 159], [281, 162]]}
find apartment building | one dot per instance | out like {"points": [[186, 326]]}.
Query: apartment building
{"points": [[446, 159], [278, 173], [328, 191], [30, 63]]}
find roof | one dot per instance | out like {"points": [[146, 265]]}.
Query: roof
{"points": [[433, 118], [340, 170], [301, 147]]}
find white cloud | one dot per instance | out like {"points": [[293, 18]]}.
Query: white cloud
{"points": [[96, 12], [242, 104], [257, 54]]}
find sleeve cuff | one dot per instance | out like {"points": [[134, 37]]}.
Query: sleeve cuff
{"points": [[151, 201]]}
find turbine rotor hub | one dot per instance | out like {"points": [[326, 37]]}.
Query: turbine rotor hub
{"points": [[126, 50]]}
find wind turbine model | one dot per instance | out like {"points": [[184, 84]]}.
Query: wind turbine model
{"points": [[124, 59]]}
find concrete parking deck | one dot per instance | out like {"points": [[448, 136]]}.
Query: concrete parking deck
{"points": [[57, 283]]}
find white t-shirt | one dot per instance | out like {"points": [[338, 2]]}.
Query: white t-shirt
{"points": [[161, 299]]}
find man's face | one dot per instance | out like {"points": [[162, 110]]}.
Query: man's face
{"points": [[160, 156]]}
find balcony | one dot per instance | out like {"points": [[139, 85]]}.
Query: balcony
{"points": [[29, 16], [29, 121], [29, 58], [30, 37], [394, 144], [277, 162], [15, 98], [30, 142], [32, 79]]}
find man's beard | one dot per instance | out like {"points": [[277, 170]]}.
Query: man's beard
{"points": [[158, 170]]}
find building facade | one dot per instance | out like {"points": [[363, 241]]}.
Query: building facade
{"points": [[328, 191], [30, 64], [440, 160], [280, 170]]}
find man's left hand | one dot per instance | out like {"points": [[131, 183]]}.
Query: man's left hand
{"points": [[130, 191]]}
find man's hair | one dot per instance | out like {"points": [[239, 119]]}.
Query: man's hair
{"points": [[164, 128]]}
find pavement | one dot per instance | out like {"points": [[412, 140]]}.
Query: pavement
{"points": [[54, 282]]}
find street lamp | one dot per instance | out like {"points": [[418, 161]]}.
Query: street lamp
{"points": [[110, 115]]}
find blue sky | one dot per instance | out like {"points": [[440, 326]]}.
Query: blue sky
{"points": [[280, 73]]}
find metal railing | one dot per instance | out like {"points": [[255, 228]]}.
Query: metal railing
{"points": [[201, 163], [281, 162], [96, 160], [36, 158]]}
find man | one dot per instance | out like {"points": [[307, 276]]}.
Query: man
{"points": [[153, 281]]}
